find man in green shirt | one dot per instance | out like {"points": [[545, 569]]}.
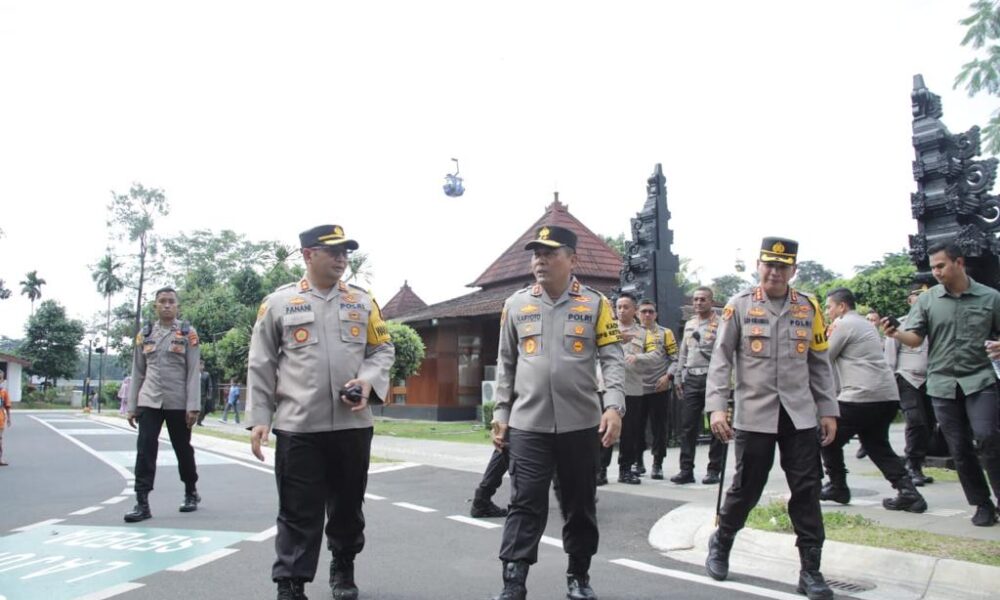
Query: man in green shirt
{"points": [[959, 317]]}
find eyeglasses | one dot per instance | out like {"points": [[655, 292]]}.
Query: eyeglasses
{"points": [[333, 252]]}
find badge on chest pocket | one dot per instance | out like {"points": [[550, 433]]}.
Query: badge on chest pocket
{"points": [[529, 336], [299, 330], [758, 340]]}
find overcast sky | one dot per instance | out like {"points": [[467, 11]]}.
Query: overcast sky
{"points": [[770, 118]]}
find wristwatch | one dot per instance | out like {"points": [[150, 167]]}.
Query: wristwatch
{"points": [[619, 408]]}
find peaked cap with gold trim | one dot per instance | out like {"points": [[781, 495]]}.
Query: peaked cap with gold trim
{"points": [[781, 250], [552, 236], [326, 235]]}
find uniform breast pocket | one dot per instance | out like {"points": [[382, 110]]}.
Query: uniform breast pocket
{"points": [[977, 323], [799, 338], [577, 339], [529, 338], [757, 341], [353, 326], [300, 330]]}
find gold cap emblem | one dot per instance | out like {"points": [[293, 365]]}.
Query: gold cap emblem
{"points": [[543, 233], [338, 231], [778, 248]]}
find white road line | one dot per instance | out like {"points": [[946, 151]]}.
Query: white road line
{"points": [[376, 468], [946, 512], [127, 492], [203, 560], [39, 524], [415, 507], [114, 590], [115, 500], [263, 536], [373, 497], [476, 522], [552, 541], [705, 580], [87, 511], [118, 469]]}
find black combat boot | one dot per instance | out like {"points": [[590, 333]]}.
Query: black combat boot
{"points": [[836, 490], [639, 468], [907, 498], [486, 510], [602, 477], [811, 582], [683, 477], [515, 577], [140, 512], [578, 579], [986, 515], [710, 478], [191, 500], [291, 590], [717, 563], [916, 470], [626, 475], [657, 468], [342, 578]]}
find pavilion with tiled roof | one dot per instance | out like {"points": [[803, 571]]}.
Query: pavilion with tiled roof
{"points": [[461, 335], [405, 301]]}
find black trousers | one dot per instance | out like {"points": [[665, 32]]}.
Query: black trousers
{"points": [[919, 414], [870, 421], [492, 477], [653, 410], [148, 445], [319, 475], [800, 462], [633, 437], [977, 414], [534, 457], [692, 424]]}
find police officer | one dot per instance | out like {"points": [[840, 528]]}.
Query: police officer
{"points": [[164, 389], [633, 432], [775, 338], [657, 366], [548, 413], [319, 351], [695, 352]]}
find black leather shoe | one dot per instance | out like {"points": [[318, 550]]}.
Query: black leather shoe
{"points": [[683, 477], [291, 590], [342, 579], [710, 478], [861, 453], [916, 472], [627, 476], [602, 477], [578, 587], [140, 512], [908, 499], [515, 576], [836, 493], [657, 471], [639, 468], [811, 582], [487, 511], [190, 502], [986, 515], [717, 563]]}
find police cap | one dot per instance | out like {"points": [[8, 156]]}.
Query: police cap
{"points": [[326, 235], [781, 250], [552, 236]]}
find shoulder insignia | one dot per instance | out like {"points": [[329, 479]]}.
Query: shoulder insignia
{"points": [[304, 285], [139, 337], [794, 296], [193, 337], [575, 287], [758, 294], [262, 310], [342, 286], [727, 313], [536, 290]]}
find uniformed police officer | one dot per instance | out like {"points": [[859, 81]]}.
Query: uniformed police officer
{"points": [[696, 351], [657, 375], [548, 414], [319, 350], [775, 338], [164, 390]]}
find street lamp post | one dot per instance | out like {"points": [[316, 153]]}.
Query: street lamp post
{"points": [[86, 383], [100, 377]]}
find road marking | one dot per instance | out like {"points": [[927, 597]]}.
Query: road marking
{"points": [[87, 511], [39, 524], [476, 522], [93, 431], [203, 560], [59, 420], [551, 541], [705, 580], [263, 536], [114, 590], [415, 507], [115, 500], [373, 497], [946, 512], [127, 492], [99, 455], [390, 467]]}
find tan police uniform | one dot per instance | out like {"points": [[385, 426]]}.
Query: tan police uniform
{"points": [[692, 370], [657, 361]]}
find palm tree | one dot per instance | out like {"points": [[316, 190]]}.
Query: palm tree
{"points": [[359, 268], [32, 288], [108, 282]]}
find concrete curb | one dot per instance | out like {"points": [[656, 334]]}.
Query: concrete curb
{"points": [[683, 533]]}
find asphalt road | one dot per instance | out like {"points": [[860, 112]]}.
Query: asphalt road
{"points": [[69, 483]]}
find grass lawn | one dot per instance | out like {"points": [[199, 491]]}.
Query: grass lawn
{"points": [[855, 529], [41, 406], [470, 432], [939, 475]]}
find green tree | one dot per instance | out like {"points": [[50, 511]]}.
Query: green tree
{"points": [[809, 275], [618, 244], [214, 255], [105, 275], [31, 286], [884, 284], [133, 216], [725, 286], [687, 278], [409, 351], [4, 291], [359, 269], [51, 341], [982, 74]]}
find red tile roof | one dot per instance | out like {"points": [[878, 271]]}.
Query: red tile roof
{"points": [[596, 261], [405, 300]]}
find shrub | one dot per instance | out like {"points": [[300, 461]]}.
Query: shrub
{"points": [[409, 351]]}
